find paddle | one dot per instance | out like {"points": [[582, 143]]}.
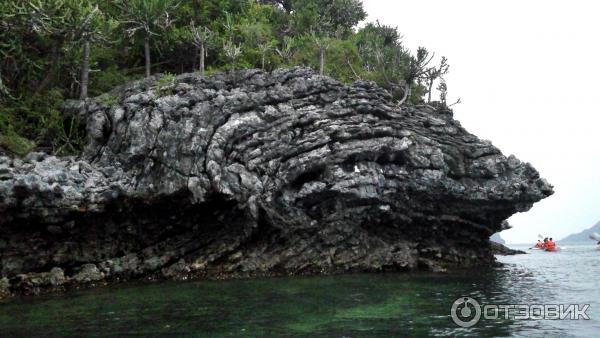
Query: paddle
{"points": [[595, 236], [540, 237]]}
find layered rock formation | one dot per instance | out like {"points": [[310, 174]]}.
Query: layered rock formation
{"points": [[256, 173], [502, 250]]}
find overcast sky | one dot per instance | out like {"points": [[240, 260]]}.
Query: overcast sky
{"points": [[528, 73]]}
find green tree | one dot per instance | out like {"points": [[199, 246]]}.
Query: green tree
{"points": [[323, 19], [230, 48], [264, 48], [52, 22], [257, 27], [434, 73], [344, 15], [443, 89], [92, 27], [233, 52], [200, 37], [286, 50], [416, 71], [337, 17], [322, 42], [384, 59], [147, 17]]}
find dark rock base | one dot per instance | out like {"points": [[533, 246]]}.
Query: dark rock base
{"points": [[215, 240], [502, 250]]}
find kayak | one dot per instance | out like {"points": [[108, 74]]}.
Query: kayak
{"points": [[553, 250]]}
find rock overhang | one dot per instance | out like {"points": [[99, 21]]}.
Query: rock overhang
{"points": [[338, 175]]}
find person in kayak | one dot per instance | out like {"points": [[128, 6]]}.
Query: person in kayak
{"points": [[550, 245], [539, 244]]}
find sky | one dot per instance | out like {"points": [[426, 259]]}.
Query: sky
{"points": [[528, 75]]}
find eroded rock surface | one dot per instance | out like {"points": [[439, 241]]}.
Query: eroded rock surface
{"points": [[502, 250], [256, 173]]}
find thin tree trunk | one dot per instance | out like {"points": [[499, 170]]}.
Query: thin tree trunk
{"points": [[147, 54], [49, 78], [356, 76], [263, 61], [202, 55], [429, 94], [85, 71], [407, 92], [196, 5], [196, 49], [322, 61]]}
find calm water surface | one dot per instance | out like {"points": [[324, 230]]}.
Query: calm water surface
{"points": [[362, 305]]}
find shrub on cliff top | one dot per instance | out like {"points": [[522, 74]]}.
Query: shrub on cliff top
{"points": [[42, 60]]}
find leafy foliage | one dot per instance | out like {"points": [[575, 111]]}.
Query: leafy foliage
{"points": [[52, 50], [165, 84], [14, 143]]}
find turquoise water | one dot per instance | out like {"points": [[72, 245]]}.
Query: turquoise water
{"points": [[359, 305]]}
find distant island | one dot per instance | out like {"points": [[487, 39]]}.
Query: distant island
{"points": [[583, 236], [497, 238]]}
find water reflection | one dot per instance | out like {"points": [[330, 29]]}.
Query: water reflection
{"points": [[362, 305]]}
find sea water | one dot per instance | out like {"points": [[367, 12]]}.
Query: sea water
{"points": [[353, 305]]}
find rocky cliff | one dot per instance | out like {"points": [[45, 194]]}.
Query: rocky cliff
{"points": [[256, 173]]}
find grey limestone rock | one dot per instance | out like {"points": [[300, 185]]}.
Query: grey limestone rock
{"points": [[259, 173]]}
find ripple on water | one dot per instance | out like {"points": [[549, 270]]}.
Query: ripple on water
{"points": [[359, 305]]}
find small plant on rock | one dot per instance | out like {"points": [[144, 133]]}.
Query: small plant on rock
{"points": [[166, 84]]}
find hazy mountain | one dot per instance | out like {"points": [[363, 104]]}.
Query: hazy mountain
{"points": [[583, 236], [496, 238]]}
